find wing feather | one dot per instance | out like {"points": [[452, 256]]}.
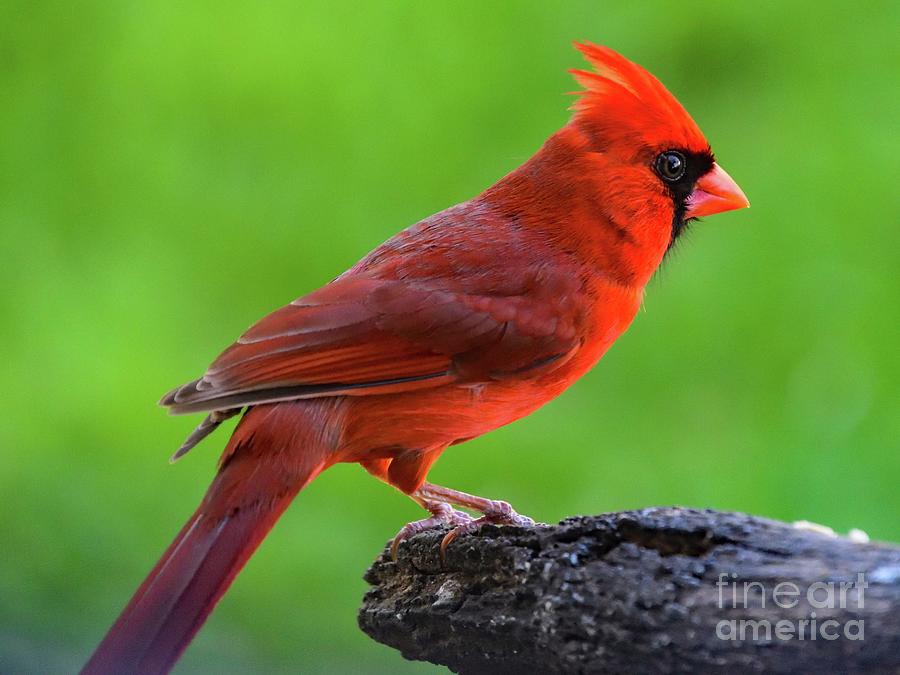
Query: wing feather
{"points": [[361, 335]]}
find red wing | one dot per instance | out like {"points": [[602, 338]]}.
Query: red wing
{"points": [[361, 336]]}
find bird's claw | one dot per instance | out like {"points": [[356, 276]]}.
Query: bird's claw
{"points": [[500, 513], [443, 514]]}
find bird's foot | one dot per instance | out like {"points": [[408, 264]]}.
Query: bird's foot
{"points": [[441, 514], [493, 513]]}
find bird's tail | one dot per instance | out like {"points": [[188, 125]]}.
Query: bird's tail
{"points": [[272, 455]]}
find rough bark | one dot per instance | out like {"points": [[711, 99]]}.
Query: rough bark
{"points": [[636, 592]]}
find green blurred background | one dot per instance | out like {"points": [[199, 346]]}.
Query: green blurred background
{"points": [[170, 174]]}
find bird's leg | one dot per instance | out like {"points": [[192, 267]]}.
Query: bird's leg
{"points": [[492, 511], [442, 513]]}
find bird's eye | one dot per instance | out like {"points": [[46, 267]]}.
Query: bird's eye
{"points": [[670, 165]]}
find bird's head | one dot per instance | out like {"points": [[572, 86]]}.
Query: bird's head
{"points": [[640, 135]]}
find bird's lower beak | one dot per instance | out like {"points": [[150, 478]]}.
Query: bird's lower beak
{"points": [[715, 192]]}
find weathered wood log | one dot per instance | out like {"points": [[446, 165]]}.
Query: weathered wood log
{"points": [[659, 590]]}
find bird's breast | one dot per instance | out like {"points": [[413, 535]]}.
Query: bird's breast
{"points": [[461, 411]]}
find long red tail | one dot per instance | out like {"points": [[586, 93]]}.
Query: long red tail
{"points": [[273, 454]]}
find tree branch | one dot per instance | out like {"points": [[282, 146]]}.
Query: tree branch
{"points": [[659, 590]]}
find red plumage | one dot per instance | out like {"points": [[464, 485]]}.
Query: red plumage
{"points": [[460, 324]]}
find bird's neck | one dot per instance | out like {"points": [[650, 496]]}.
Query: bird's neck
{"points": [[579, 199]]}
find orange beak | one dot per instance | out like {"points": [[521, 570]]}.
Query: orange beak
{"points": [[714, 193]]}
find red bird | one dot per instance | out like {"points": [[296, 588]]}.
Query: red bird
{"points": [[463, 322]]}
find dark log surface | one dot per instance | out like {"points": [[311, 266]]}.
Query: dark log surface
{"points": [[636, 592]]}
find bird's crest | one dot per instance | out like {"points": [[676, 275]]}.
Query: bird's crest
{"points": [[621, 98]]}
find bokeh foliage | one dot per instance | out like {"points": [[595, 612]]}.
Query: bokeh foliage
{"points": [[171, 171]]}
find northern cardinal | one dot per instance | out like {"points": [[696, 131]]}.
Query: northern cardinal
{"points": [[463, 322]]}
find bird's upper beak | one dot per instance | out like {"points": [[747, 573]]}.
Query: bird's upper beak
{"points": [[715, 192]]}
